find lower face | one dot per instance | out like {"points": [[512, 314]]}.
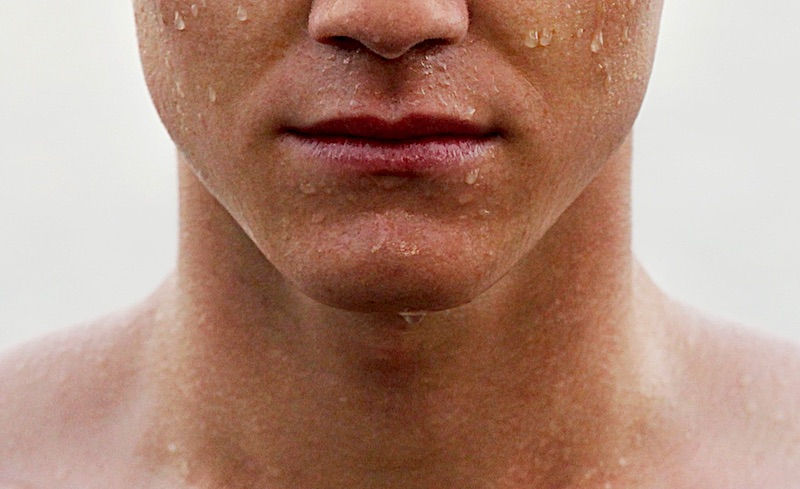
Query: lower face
{"points": [[386, 226]]}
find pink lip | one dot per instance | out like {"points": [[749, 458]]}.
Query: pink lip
{"points": [[413, 145]]}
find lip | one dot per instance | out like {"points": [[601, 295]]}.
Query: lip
{"points": [[412, 145]]}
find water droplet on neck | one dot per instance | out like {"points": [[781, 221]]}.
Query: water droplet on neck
{"points": [[597, 42], [413, 317], [180, 24], [241, 14]]}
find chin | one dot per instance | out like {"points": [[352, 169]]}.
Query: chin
{"points": [[390, 283], [390, 293]]}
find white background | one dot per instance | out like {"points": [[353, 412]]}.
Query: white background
{"points": [[87, 179]]}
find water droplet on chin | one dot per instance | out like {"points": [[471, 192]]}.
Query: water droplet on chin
{"points": [[180, 24], [308, 188], [241, 14], [472, 176], [413, 317]]}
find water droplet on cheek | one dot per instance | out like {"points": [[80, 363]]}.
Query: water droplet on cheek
{"points": [[195, 10], [180, 24], [212, 95], [597, 42], [241, 14], [532, 41], [546, 37]]}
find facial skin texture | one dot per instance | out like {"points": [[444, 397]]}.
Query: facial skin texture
{"points": [[274, 357], [227, 90]]}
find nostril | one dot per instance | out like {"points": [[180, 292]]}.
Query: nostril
{"points": [[343, 42], [388, 28]]}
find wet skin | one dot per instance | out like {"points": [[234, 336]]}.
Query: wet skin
{"points": [[552, 116], [342, 161]]}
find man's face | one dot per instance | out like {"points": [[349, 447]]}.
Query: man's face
{"points": [[391, 155]]}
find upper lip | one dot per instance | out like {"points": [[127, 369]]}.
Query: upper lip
{"points": [[413, 126]]}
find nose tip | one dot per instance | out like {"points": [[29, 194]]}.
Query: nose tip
{"points": [[388, 28]]}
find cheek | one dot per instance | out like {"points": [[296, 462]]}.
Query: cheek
{"points": [[200, 55], [589, 62]]}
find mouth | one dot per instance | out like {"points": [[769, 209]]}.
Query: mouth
{"points": [[413, 145]]}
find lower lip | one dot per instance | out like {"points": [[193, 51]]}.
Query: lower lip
{"points": [[419, 156]]}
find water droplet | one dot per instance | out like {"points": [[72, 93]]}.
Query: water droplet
{"points": [[241, 14], [180, 24], [465, 199], [623, 462], [212, 95], [626, 34], [580, 33], [532, 40], [195, 10], [484, 212], [308, 188], [172, 448], [346, 60], [597, 42], [546, 37], [472, 176], [470, 111], [413, 317]]}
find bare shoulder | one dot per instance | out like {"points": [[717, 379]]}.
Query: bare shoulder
{"points": [[60, 397], [744, 389]]}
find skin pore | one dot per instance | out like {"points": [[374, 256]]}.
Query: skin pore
{"points": [[276, 356]]}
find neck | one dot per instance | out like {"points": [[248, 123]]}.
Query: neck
{"points": [[549, 369]]}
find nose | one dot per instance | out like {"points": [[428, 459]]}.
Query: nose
{"points": [[388, 28]]}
